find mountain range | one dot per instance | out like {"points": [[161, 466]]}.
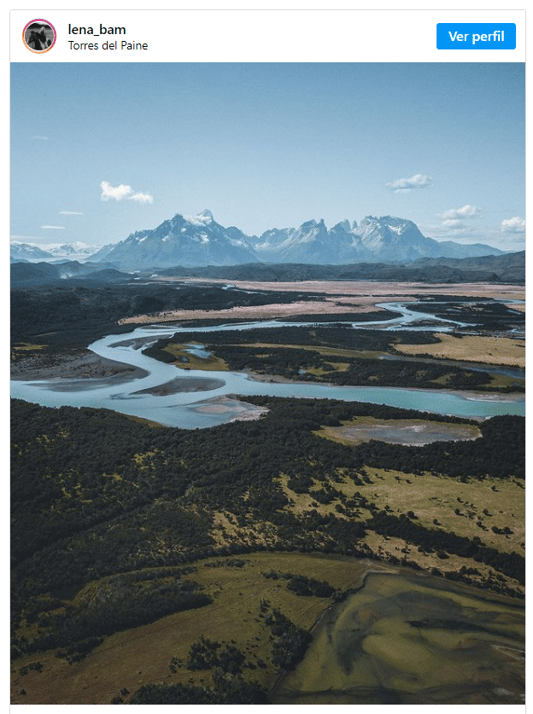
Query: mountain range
{"points": [[56, 251], [193, 241]]}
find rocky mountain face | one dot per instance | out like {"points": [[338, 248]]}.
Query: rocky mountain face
{"points": [[191, 241], [187, 241]]}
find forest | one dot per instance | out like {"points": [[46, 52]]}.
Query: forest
{"points": [[75, 315]]}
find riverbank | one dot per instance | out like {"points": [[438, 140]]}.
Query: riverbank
{"points": [[81, 365]]}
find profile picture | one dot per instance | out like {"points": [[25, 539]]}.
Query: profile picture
{"points": [[39, 36]]}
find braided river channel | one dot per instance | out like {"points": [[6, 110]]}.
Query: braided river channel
{"points": [[198, 399]]}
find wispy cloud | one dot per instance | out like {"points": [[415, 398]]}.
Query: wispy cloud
{"points": [[41, 138], [54, 228], [123, 191], [451, 228], [513, 225], [71, 213], [403, 185]]}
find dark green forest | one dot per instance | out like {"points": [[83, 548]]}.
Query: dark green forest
{"points": [[91, 489], [76, 315]]}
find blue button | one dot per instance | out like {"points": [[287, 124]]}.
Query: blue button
{"points": [[476, 36]]}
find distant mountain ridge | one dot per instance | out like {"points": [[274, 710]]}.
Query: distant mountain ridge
{"points": [[26, 252], [56, 251], [196, 241], [26, 275], [193, 241], [506, 268]]}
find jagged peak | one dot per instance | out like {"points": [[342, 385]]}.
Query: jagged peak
{"points": [[386, 220], [344, 225]]}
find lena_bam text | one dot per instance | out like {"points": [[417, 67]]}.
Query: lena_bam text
{"points": [[89, 30]]}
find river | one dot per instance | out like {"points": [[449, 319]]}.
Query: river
{"points": [[200, 406]]}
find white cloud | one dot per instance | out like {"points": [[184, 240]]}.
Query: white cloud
{"points": [[71, 213], [117, 192], [54, 228], [408, 184], [513, 225], [467, 211], [121, 192], [455, 221], [141, 197]]}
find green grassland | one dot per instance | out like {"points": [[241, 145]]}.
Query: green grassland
{"points": [[242, 599], [185, 360]]}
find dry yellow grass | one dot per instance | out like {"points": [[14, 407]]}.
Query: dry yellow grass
{"points": [[256, 312], [489, 350], [349, 296], [27, 347], [492, 502]]}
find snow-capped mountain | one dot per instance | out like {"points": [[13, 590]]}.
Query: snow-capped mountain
{"points": [[26, 252], [198, 240], [182, 240], [54, 251], [387, 239], [72, 251], [396, 239], [312, 243], [389, 236]]}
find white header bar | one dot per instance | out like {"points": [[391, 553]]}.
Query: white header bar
{"points": [[257, 35]]}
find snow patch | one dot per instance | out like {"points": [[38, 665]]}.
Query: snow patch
{"points": [[201, 219]]}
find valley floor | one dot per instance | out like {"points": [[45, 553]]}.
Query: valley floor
{"points": [[164, 565]]}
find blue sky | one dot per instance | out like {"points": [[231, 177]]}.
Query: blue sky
{"points": [[100, 150]]}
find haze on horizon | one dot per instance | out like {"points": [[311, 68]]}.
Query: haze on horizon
{"points": [[101, 150]]}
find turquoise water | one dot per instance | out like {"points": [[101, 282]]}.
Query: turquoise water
{"points": [[187, 409]]}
